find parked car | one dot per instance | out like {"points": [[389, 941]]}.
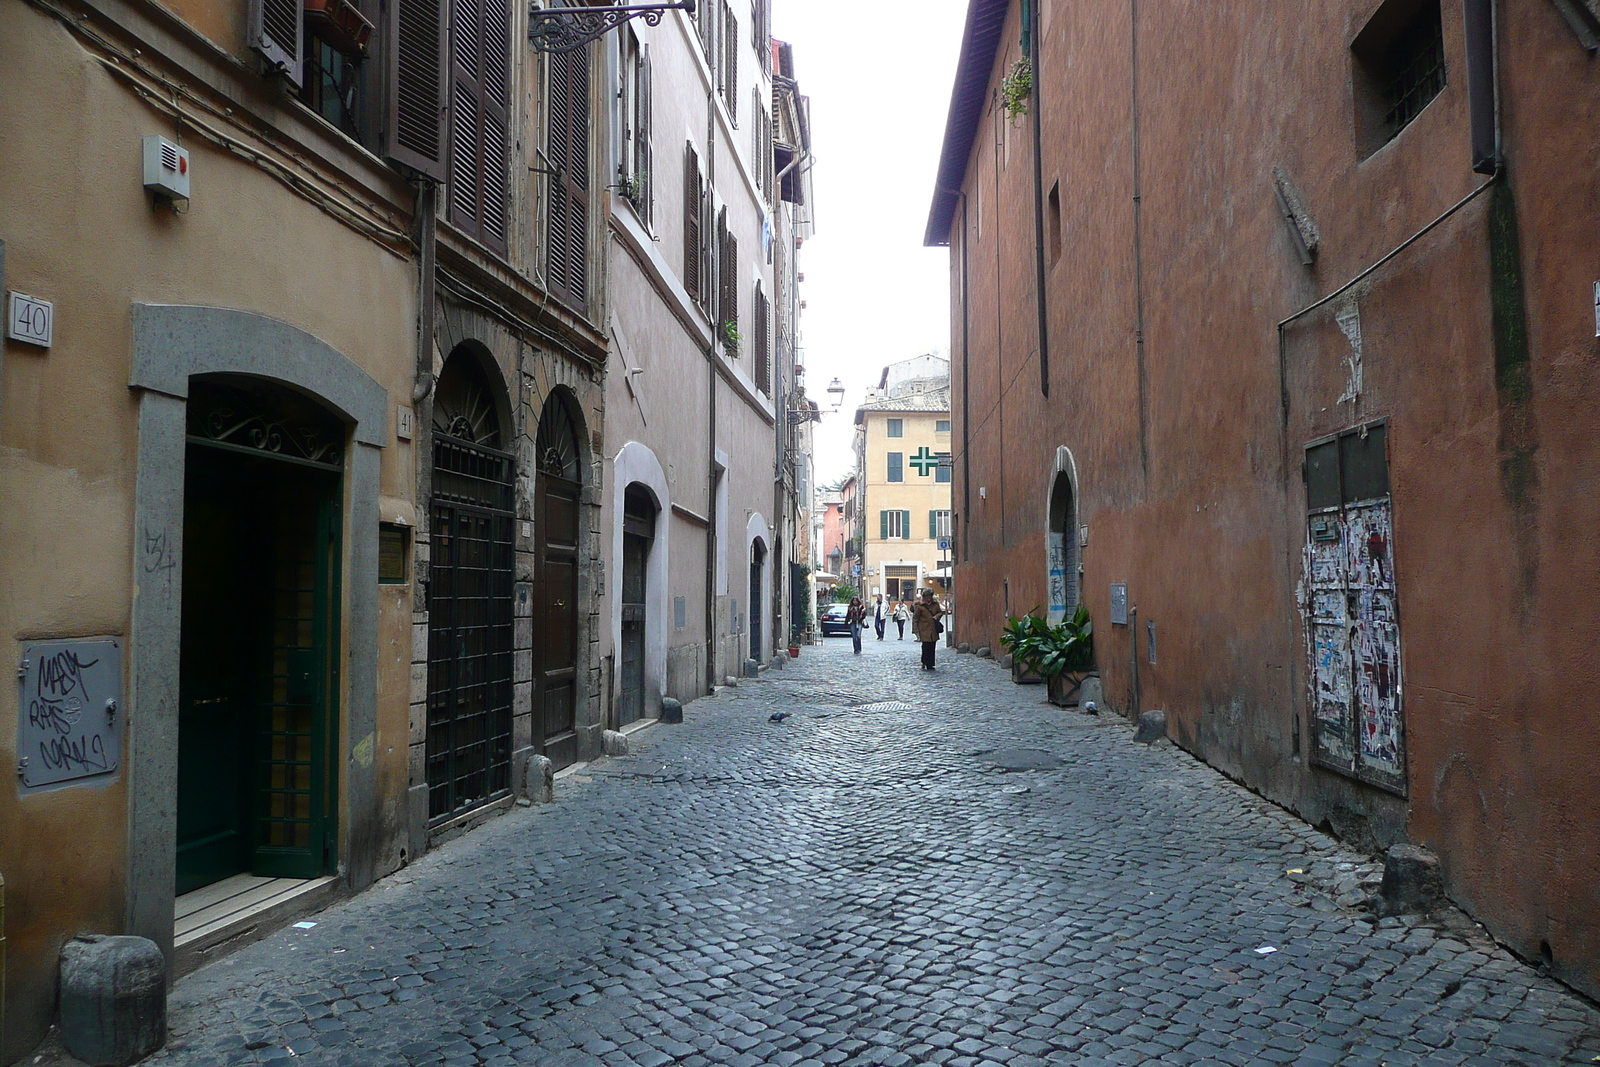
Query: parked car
{"points": [[833, 619]]}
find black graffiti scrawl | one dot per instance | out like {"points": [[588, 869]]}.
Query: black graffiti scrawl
{"points": [[70, 726]]}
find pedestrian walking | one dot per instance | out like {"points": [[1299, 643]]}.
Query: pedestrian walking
{"points": [[902, 615], [880, 616], [855, 618], [927, 627]]}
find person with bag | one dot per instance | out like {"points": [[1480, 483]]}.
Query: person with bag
{"points": [[880, 616], [926, 625], [902, 615], [855, 618]]}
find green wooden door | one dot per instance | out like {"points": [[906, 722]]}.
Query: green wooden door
{"points": [[259, 672]]}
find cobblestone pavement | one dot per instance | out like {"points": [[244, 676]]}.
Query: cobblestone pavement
{"points": [[859, 883]]}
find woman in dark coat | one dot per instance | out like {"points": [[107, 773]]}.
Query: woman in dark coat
{"points": [[925, 623], [855, 618]]}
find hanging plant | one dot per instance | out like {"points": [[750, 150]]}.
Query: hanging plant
{"points": [[1016, 88]]}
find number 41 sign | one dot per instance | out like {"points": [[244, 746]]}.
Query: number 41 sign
{"points": [[30, 320]]}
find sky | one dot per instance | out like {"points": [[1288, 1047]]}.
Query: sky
{"points": [[879, 77]]}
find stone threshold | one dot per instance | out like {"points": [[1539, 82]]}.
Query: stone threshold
{"points": [[215, 920]]}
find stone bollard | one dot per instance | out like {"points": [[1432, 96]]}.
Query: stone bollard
{"points": [[1007, 661], [779, 659], [964, 648], [671, 711], [752, 668], [1092, 691], [1152, 727], [614, 743], [539, 780], [113, 999], [1412, 882], [985, 653]]}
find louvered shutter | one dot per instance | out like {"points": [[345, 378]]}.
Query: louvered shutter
{"points": [[277, 31], [730, 63], [905, 525], [710, 25], [883, 526], [643, 149], [933, 525], [761, 344], [691, 223], [480, 45], [414, 127], [567, 223]]}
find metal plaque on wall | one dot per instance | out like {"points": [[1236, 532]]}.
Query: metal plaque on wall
{"points": [[1119, 603], [69, 710]]}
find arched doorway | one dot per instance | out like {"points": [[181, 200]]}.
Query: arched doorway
{"points": [[258, 667], [1062, 560], [758, 573], [470, 615], [555, 599], [638, 538]]}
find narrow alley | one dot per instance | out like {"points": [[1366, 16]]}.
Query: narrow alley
{"points": [[861, 881]]}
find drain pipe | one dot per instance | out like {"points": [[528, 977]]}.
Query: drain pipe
{"points": [[1138, 249], [1030, 29], [711, 434]]}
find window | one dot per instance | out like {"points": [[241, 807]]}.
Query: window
{"points": [[636, 164], [710, 25], [941, 473], [896, 466], [1055, 224], [761, 33], [1399, 68], [727, 310], [941, 426], [480, 35], [334, 82], [938, 524], [567, 197], [394, 544], [894, 525], [897, 428]]}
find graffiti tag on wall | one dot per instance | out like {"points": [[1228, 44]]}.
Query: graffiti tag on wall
{"points": [[70, 724]]}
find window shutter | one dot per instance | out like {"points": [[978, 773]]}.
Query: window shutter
{"points": [[709, 25], [691, 223], [905, 525], [567, 148], [732, 79], [414, 120], [277, 31], [495, 109], [883, 526], [480, 45], [933, 525], [643, 152], [759, 342], [465, 26]]}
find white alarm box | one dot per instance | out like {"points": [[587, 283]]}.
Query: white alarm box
{"points": [[166, 168]]}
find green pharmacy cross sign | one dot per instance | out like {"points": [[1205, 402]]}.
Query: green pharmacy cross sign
{"points": [[925, 462]]}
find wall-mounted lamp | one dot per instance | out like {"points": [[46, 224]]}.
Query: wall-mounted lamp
{"points": [[567, 29]]}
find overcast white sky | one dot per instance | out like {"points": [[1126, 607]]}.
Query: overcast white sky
{"points": [[879, 77]]}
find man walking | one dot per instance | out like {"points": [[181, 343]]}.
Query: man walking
{"points": [[880, 616]]}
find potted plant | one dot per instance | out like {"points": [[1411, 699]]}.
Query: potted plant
{"points": [[730, 337], [1015, 89], [1063, 655]]}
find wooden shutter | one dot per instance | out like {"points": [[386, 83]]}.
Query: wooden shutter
{"points": [[905, 525], [277, 31], [710, 25], [480, 40], [414, 120], [730, 62], [692, 279], [643, 150], [760, 344], [567, 147], [883, 526]]}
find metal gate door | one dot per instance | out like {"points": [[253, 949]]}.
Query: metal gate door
{"points": [[756, 611], [638, 532], [1351, 610], [469, 627]]}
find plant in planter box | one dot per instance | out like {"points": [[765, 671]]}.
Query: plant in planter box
{"points": [[1052, 652], [730, 337], [1023, 637]]}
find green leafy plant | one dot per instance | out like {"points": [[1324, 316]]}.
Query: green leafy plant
{"points": [[730, 336], [1050, 650], [843, 593], [1015, 89]]}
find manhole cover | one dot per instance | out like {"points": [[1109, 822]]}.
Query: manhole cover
{"points": [[1024, 759], [887, 705]]}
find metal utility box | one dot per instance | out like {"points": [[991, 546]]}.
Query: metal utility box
{"points": [[166, 168]]}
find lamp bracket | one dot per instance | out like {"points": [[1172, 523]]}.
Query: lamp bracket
{"points": [[567, 29]]}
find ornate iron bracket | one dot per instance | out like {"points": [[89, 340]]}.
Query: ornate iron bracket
{"points": [[566, 29]]}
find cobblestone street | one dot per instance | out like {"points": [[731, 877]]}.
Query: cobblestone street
{"points": [[861, 883]]}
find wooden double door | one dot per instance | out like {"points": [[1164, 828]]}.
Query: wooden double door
{"points": [[258, 677]]}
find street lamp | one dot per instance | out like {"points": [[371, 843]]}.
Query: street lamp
{"points": [[567, 29], [836, 393]]}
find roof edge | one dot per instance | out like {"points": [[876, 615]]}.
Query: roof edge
{"points": [[980, 43]]}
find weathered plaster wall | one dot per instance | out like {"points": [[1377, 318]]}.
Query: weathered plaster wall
{"points": [[1189, 446]]}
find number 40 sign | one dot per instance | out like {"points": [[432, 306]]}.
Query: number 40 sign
{"points": [[29, 319]]}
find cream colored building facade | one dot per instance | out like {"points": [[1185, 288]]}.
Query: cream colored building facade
{"points": [[903, 450]]}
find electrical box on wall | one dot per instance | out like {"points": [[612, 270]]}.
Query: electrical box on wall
{"points": [[166, 169]]}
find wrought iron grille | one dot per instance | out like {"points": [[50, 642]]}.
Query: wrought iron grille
{"points": [[470, 628], [1419, 72]]}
